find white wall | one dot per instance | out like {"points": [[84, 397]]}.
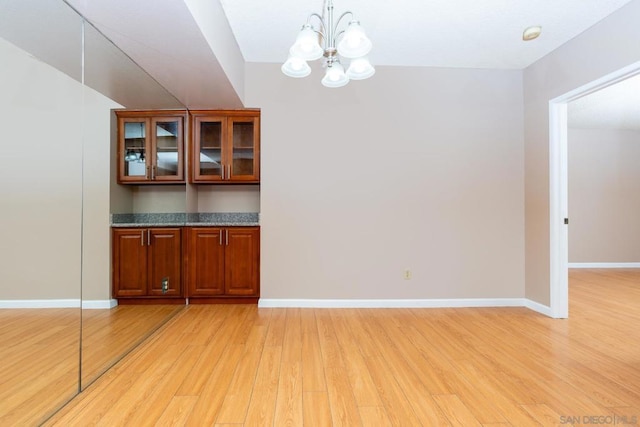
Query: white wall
{"points": [[604, 195], [44, 122], [604, 48], [418, 168]]}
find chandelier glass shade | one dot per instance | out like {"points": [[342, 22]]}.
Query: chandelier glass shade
{"points": [[329, 42]]}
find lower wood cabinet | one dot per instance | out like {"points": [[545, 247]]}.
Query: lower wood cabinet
{"points": [[223, 263], [218, 264], [147, 263]]}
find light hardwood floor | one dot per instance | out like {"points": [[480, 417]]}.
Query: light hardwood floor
{"points": [[107, 335], [240, 365], [39, 362], [40, 353]]}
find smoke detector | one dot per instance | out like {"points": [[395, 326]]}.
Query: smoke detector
{"points": [[531, 33]]}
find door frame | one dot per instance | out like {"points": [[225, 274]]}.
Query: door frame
{"points": [[558, 186]]}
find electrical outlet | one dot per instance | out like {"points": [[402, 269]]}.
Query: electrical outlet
{"points": [[165, 285], [407, 274]]}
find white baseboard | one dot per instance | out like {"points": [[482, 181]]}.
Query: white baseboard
{"points": [[604, 265], [99, 304], [536, 306], [390, 303], [40, 303], [404, 303], [58, 303]]}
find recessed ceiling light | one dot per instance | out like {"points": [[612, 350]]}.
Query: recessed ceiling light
{"points": [[531, 33]]}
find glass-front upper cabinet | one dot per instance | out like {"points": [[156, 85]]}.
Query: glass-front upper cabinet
{"points": [[150, 147], [226, 146]]}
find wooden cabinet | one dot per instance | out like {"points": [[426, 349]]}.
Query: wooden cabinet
{"points": [[225, 146], [147, 262], [223, 262], [150, 147]]}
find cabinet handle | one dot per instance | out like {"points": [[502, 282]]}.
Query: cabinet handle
{"points": [[227, 236], [141, 237], [149, 237], [229, 175], [146, 175], [223, 167], [153, 173], [220, 238]]}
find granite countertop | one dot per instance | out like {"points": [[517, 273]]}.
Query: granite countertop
{"points": [[226, 219]]}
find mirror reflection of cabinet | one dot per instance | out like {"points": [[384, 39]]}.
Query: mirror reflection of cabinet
{"points": [[226, 146], [150, 147]]}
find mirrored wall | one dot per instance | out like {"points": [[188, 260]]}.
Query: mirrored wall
{"points": [[59, 329]]}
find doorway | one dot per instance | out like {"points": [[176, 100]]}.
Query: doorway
{"points": [[558, 185]]}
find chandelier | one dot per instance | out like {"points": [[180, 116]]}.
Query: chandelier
{"points": [[314, 43]]}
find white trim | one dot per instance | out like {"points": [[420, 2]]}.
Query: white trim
{"points": [[536, 306], [99, 304], [40, 303], [390, 303], [558, 211], [558, 165], [604, 265]]}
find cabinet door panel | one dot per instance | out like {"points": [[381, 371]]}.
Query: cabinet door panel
{"points": [[244, 147], [242, 254], [129, 263], [164, 262], [206, 262], [168, 165], [208, 161]]}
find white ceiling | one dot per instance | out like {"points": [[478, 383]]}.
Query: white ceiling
{"points": [[440, 33], [164, 38]]}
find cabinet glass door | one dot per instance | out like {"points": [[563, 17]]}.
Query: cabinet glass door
{"points": [[168, 149], [244, 146], [135, 148], [209, 137]]}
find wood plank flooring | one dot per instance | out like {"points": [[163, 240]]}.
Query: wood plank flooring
{"points": [[39, 363], [109, 334], [40, 353], [239, 365]]}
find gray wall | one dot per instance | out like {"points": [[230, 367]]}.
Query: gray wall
{"points": [[604, 195], [416, 168]]}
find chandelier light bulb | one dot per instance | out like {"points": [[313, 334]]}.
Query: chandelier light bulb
{"points": [[296, 67], [355, 42], [335, 76], [306, 46], [360, 69]]}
